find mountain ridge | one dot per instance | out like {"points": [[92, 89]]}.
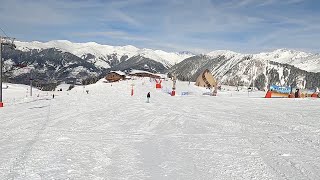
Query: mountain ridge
{"points": [[102, 51], [302, 60], [93, 59], [245, 70], [101, 54]]}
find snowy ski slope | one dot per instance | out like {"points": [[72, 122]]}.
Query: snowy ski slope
{"points": [[107, 134]]}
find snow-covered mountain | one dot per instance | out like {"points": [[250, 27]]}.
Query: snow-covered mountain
{"points": [[302, 60], [103, 55], [46, 66], [281, 67], [61, 59]]}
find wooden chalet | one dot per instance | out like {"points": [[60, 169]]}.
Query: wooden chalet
{"points": [[114, 76]]}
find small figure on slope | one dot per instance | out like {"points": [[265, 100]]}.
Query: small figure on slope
{"points": [[297, 94], [148, 97]]}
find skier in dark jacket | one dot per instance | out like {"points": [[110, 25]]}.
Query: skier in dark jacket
{"points": [[297, 93], [148, 97]]}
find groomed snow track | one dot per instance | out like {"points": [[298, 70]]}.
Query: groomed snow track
{"points": [[107, 134]]}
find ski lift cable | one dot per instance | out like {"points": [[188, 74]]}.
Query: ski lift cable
{"points": [[4, 32]]}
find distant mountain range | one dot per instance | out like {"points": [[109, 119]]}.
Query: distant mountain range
{"points": [[104, 56], [60, 60], [281, 67]]}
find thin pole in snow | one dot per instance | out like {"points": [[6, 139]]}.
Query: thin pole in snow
{"points": [[3, 42], [0, 71], [31, 82]]}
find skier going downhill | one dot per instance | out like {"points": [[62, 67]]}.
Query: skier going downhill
{"points": [[148, 97]]}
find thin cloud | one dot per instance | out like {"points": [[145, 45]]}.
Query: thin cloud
{"points": [[238, 25], [32, 13], [112, 34]]}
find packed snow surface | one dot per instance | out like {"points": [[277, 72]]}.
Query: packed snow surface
{"points": [[108, 134]]}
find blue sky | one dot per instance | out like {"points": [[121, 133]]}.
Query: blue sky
{"points": [[173, 25]]}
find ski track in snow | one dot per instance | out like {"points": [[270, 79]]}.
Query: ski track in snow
{"points": [[107, 134]]}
